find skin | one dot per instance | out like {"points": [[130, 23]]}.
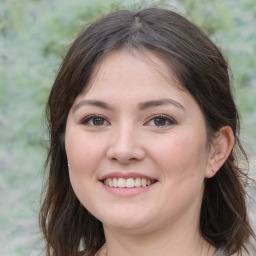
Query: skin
{"points": [[133, 134]]}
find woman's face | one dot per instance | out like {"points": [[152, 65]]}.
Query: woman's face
{"points": [[137, 146]]}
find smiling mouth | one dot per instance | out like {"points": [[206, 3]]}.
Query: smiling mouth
{"points": [[128, 183]]}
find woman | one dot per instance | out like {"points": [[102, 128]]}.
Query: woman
{"points": [[144, 144]]}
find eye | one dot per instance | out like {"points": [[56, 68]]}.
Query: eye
{"points": [[160, 121], [95, 120]]}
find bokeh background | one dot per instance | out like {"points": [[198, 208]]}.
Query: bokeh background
{"points": [[34, 36]]}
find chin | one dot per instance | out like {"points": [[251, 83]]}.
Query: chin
{"points": [[126, 221]]}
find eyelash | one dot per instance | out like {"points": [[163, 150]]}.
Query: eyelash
{"points": [[87, 119], [170, 121], [166, 118]]}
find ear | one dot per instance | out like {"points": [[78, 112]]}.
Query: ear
{"points": [[220, 148]]}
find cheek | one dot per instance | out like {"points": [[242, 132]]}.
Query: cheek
{"points": [[83, 157], [182, 161], [181, 155], [83, 152]]}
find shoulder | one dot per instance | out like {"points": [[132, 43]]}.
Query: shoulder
{"points": [[251, 207], [220, 252], [251, 203]]}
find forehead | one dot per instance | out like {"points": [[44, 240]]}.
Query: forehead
{"points": [[129, 65]]}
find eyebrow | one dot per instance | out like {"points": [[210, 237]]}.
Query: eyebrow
{"points": [[141, 106], [96, 103], [155, 103]]}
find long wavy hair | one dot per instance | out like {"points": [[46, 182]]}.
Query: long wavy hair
{"points": [[201, 69]]}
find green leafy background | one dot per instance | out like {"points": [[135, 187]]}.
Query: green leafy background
{"points": [[34, 36]]}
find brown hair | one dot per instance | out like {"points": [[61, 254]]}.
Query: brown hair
{"points": [[200, 67]]}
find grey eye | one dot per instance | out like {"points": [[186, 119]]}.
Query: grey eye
{"points": [[160, 121], [98, 121], [94, 120]]}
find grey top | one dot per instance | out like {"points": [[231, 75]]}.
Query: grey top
{"points": [[220, 252], [251, 205]]}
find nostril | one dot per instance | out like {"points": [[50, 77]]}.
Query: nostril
{"points": [[125, 153]]}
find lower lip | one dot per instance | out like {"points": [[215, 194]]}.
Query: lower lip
{"points": [[128, 191]]}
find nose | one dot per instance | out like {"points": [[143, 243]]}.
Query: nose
{"points": [[126, 146]]}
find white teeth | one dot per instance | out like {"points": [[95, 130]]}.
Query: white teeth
{"points": [[121, 183], [137, 182], [144, 182], [130, 183], [127, 183], [110, 182], [114, 182]]}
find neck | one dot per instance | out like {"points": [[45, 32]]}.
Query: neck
{"points": [[181, 243]]}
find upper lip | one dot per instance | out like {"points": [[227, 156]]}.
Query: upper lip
{"points": [[126, 175]]}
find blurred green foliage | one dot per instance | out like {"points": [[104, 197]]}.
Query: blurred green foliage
{"points": [[231, 24], [34, 36]]}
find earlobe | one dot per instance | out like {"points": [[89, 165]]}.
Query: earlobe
{"points": [[221, 146]]}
